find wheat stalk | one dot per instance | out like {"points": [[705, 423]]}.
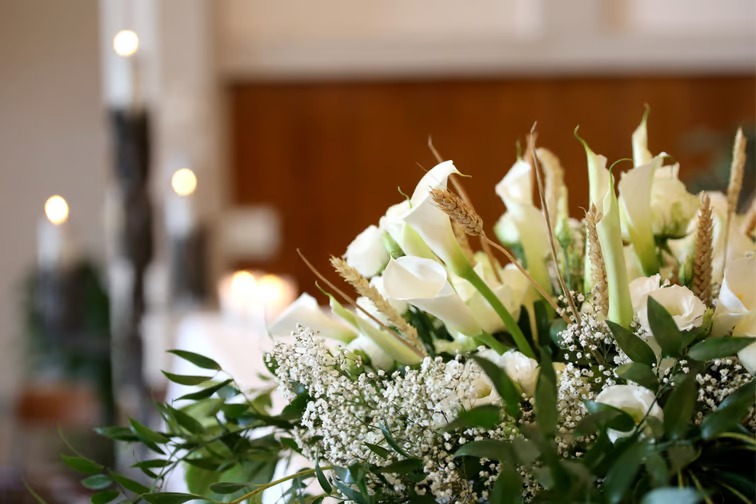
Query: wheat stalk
{"points": [[596, 257], [363, 288], [463, 194], [703, 252], [554, 177], [471, 223], [737, 170], [463, 240], [545, 209], [419, 351]]}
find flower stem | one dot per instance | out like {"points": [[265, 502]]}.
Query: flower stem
{"points": [[262, 488], [469, 274]]}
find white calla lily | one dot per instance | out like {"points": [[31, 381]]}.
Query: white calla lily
{"points": [[423, 283], [407, 238], [511, 292], [522, 370], [431, 223], [516, 191], [672, 206], [377, 355], [390, 343], [367, 253], [635, 212], [305, 311]]}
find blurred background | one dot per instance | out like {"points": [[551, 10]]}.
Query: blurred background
{"points": [[194, 145]]}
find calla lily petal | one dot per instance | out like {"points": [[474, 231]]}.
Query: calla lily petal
{"points": [[423, 283], [306, 311], [610, 239], [635, 211], [641, 154]]}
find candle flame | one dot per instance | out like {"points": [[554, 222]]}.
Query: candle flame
{"points": [[243, 282], [184, 182], [126, 43], [56, 210]]}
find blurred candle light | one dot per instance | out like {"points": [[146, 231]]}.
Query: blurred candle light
{"points": [[53, 241], [126, 45], [252, 298], [179, 211]]}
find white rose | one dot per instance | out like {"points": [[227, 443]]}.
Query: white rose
{"points": [[672, 206], [736, 306], [640, 288], [366, 253], [686, 309], [522, 370], [633, 400]]}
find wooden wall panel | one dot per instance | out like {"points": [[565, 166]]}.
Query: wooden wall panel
{"points": [[330, 155]]}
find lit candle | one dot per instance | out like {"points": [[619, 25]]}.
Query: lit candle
{"points": [[54, 244], [180, 216], [245, 296], [126, 45]]}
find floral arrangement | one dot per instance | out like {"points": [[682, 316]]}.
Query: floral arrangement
{"points": [[609, 360]]}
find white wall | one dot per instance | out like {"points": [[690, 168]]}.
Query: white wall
{"points": [[52, 140]]}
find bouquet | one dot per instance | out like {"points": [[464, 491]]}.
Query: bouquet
{"points": [[607, 359]]}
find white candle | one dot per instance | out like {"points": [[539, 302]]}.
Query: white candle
{"points": [[274, 294], [127, 78], [54, 247], [180, 218]]}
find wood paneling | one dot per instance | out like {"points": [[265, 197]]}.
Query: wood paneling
{"points": [[330, 155]]}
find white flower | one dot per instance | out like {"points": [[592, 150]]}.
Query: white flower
{"points": [[736, 306], [407, 239], [633, 400], [686, 309], [430, 222], [366, 253], [635, 189], [510, 292], [522, 370], [672, 206], [523, 222], [378, 357], [423, 283], [305, 311]]}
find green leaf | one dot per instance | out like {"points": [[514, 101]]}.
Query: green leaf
{"points": [[546, 396], [82, 465], [185, 420], [730, 412], [680, 457], [322, 480], [197, 359], [485, 448], [664, 328], [632, 345], [170, 498], [128, 483], [485, 417], [640, 374], [186, 379], [612, 417], [104, 497], [205, 392], [117, 433], [227, 488], [680, 405], [378, 450], [622, 474], [667, 495], [405, 466], [97, 482], [392, 442], [503, 384], [744, 395], [146, 434], [508, 487], [717, 348], [657, 469]]}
